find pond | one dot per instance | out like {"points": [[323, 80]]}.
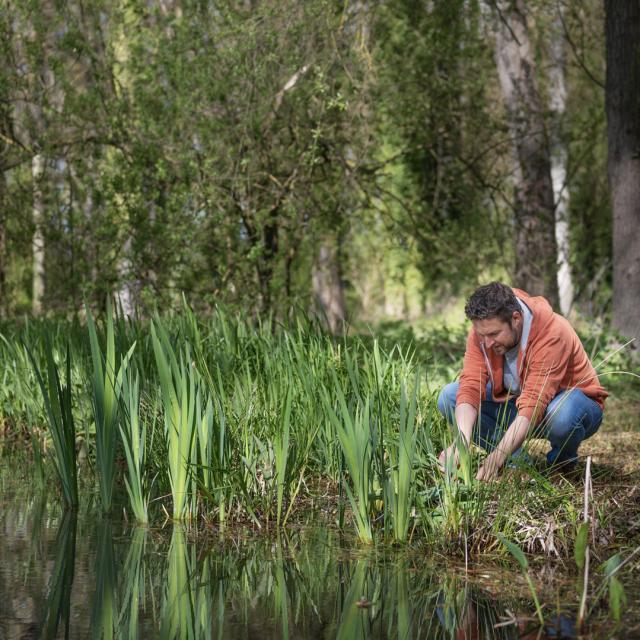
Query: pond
{"points": [[65, 575]]}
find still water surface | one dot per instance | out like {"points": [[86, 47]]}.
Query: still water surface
{"points": [[84, 576]]}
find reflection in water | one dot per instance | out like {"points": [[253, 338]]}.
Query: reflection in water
{"points": [[104, 618], [58, 602], [150, 584], [132, 593]]}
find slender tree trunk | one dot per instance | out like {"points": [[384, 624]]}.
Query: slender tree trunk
{"points": [[3, 244], [38, 212], [557, 105], [327, 286], [536, 253], [622, 25]]}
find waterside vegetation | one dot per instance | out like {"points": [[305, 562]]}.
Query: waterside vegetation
{"points": [[224, 420]]}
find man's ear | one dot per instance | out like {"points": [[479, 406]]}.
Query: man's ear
{"points": [[517, 316]]}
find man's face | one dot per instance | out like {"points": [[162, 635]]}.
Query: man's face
{"points": [[498, 335]]}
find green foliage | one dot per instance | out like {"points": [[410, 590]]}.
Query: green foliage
{"points": [[109, 372], [516, 552], [376, 128], [133, 432], [617, 595], [580, 545], [182, 405], [240, 421], [59, 411]]}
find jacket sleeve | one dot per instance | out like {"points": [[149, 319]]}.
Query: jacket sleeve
{"points": [[474, 376], [546, 368]]}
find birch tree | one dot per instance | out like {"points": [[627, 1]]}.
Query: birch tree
{"points": [[557, 107]]}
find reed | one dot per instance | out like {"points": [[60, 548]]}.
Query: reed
{"points": [[109, 370], [400, 483], [58, 407], [244, 420], [358, 437], [133, 432], [181, 395]]}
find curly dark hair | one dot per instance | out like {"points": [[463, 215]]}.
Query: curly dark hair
{"points": [[493, 300]]}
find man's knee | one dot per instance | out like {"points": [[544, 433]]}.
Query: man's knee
{"points": [[570, 411], [563, 418], [447, 400]]}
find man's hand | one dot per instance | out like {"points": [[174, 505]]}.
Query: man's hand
{"points": [[492, 464], [447, 454]]}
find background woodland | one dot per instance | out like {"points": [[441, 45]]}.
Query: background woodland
{"points": [[358, 159]]}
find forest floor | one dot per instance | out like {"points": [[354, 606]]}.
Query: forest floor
{"points": [[615, 468]]}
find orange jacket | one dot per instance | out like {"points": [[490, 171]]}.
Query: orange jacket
{"points": [[554, 359]]}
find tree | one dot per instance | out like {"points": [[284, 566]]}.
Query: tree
{"points": [[536, 251], [622, 25], [432, 173], [559, 157]]}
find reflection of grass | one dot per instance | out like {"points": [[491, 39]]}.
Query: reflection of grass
{"points": [[58, 605], [105, 604], [133, 586]]}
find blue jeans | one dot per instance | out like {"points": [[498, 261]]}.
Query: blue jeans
{"points": [[570, 418]]}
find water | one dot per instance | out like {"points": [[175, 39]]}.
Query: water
{"points": [[83, 576]]}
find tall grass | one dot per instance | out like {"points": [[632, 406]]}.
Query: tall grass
{"points": [[133, 432], [182, 405], [59, 412], [232, 420], [109, 370], [400, 482]]}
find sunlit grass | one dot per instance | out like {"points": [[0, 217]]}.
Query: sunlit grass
{"points": [[227, 420], [59, 413], [109, 371]]}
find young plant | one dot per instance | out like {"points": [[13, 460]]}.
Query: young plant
{"points": [[617, 595], [281, 454], [358, 439], [58, 406], [106, 383], [179, 382], [400, 483], [133, 432]]}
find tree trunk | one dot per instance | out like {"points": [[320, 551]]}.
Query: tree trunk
{"points": [[37, 174], [535, 269], [622, 26], [557, 105], [3, 244], [327, 287]]}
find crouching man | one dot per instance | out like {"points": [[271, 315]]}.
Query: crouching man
{"points": [[525, 372]]}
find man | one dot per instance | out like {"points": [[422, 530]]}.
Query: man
{"points": [[525, 372]]}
